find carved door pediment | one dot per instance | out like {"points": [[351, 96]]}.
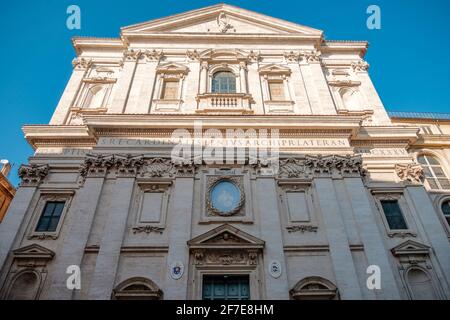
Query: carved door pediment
{"points": [[226, 236]]}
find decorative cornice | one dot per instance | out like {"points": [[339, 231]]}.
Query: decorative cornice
{"points": [[33, 174], [130, 166], [411, 173], [321, 165]]}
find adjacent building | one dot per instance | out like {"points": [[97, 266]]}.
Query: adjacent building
{"points": [[321, 188], [7, 190]]}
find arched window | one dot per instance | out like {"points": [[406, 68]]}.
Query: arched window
{"points": [[434, 173], [223, 82], [95, 97], [24, 287], [314, 288], [420, 285], [137, 288], [446, 210]]}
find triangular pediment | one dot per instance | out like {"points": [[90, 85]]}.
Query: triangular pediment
{"points": [[274, 69], [226, 236], [172, 67], [221, 19], [410, 248], [33, 251]]}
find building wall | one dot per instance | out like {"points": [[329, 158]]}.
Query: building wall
{"points": [[315, 224]]}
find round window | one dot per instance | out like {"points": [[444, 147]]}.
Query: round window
{"points": [[225, 197]]}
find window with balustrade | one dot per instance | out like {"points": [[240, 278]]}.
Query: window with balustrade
{"points": [[223, 82]]}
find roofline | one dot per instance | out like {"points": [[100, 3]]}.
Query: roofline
{"points": [[218, 7], [422, 116]]}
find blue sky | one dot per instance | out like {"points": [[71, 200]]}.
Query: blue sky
{"points": [[409, 56]]}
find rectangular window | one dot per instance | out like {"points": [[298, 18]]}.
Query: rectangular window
{"points": [[276, 91], [170, 90], [48, 222], [393, 214]]}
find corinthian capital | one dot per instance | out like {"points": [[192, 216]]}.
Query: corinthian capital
{"points": [[132, 55], [96, 165], [128, 165], [311, 56], [33, 174], [153, 55], [292, 56]]}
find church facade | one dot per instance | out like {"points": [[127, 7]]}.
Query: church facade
{"points": [[224, 154]]}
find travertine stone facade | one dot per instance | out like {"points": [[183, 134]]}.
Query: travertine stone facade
{"points": [[354, 187]]}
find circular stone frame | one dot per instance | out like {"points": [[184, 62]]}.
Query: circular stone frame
{"points": [[236, 182]]}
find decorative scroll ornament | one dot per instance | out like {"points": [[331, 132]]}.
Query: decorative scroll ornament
{"points": [[301, 228], [292, 168], [222, 23], [192, 55], [157, 167], [225, 257], [360, 65], [410, 173], [311, 56], [81, 63], [32, 174], [147, 229], [292, 56]]}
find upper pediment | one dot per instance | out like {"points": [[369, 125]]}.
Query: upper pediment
{"points": [[221, 19]]}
